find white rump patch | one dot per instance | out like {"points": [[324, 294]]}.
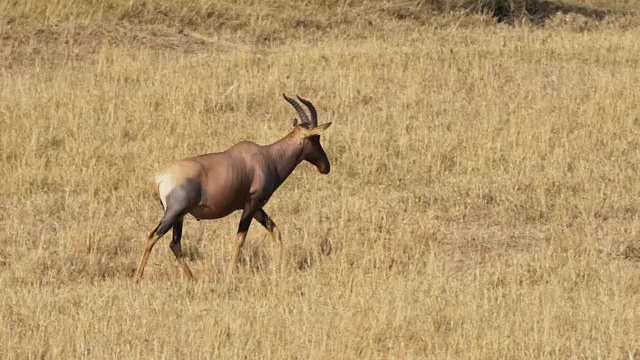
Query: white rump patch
{"points": [[165, 185]]}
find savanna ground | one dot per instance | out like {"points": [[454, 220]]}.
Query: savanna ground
{"points": [[484, 199]]}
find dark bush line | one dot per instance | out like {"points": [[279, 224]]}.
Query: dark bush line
{"points": [[537, 11]]}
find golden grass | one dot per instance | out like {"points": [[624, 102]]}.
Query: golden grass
{"points": [[484, 199]]}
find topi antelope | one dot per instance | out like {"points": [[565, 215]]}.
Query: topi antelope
{"points": [[243, 177]]}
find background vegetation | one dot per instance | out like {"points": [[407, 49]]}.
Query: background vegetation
{"points": [[484, 199]]}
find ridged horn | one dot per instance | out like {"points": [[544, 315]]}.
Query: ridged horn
{"points": [[312, 110], [303, 117]]}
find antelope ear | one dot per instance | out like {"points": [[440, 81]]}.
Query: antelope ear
{"points": [[317, 130]]}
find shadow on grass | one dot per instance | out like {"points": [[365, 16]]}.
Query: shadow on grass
{"points": [[537, 11]]}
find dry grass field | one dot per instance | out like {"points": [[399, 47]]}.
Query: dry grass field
{"points": [[484, 199]]}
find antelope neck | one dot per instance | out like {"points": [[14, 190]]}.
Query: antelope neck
{"points": [[287, 153]]}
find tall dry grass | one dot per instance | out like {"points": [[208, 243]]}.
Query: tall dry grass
{"points": [[484, 200], [281, 21]]}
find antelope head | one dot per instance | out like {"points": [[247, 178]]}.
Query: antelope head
{"points": [[308, 131]]}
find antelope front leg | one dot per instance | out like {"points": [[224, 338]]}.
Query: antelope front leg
{"points": [[264, 219], [243, 228]]}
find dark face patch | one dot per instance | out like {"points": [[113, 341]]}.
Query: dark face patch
{"points": [[314, 153]]}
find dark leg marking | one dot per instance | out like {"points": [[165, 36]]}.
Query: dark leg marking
{"points": [[176, 247], [179, 201], [245, 221], [263, 218], [182, 198]]}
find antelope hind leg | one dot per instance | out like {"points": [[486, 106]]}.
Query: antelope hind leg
{"points": [[151, 241], [176, 248]]}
